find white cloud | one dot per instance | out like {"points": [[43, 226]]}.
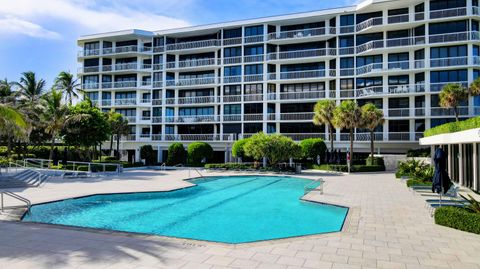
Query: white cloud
{"points": [[13, 25], [27, 16]]}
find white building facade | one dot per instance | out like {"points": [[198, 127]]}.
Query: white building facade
{"points": [[221, 82]]}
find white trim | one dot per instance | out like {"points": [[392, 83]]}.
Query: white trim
{"points": [[462, 137]]}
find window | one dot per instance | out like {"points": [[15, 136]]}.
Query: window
{"points": [[346, 84], [254, 89], [90, 79], [106, 95], [448, 76], [196, 111], [232, 52], [232, 33], [346, 20], [125, 95], [92, 46], [420, 54], [303, 87], [399, 126], [398, 80], [303, 26], [446, 52], [446, 4], [127, 112], [232, 90], [254, 30], [346, 63], [254, 69], [206, 74], [398, 57], [92, 96], [254, 50], [447, 27], [232, 110], [346, 41], [399, 11], [366, 60], [362, 39], [369, 82], [232, 71], [302, 67]]}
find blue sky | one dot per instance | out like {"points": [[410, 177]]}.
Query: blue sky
{"points": [[40, 35]]}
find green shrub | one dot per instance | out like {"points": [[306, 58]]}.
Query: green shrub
{"points": [[83, 168], [108, 159], [415, 169], [458, 218], [148, 154], [452, 127], [176, 154], [313, 147], [416, 182], [198, 152], [237, 148], [375, 161], [423, 152], [353, 169], [5, 160], [228, 166]]}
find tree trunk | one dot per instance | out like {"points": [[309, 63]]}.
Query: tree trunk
{"points": [[100, 151], [9, 145], [111, 145], [331, 136], [455, 109], [118, 146], [372, 148], [52, 145], [351, 146]]}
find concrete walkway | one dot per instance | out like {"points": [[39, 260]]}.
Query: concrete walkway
{"points": [[388, 227]]}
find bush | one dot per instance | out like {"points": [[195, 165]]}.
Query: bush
{"points": [[5, 160], [416, 182], [228, 166], [313, 147], [148, 154], [452, 127], [415, 169], [237, 148], [176, 154], [423, 152], [108, 159], [375, 161], [353, 168], [199, 153], [458, 218]]}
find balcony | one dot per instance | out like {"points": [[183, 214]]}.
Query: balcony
{"points": [[192, 81], [146, 84], [254, 39], [158, 49], [301, 34], [440, 111], [398, 18], [399, 136], [451, 61], [454, 37], [369, 23], [299, 54], [364, 137], [308, 116], [194, 45], [400, 65], [302, 74], [253, 117], [436, 87], [369, 91], [146, 101], [232, 41], [157, 119], [106, 102], [347, 72], [157, 84], [445, 13], [232, 79], [346, 51], [232, 117], [196, 100], [200, 137], [232, 60], [145, 136], [232, 98], [89, 69], [371, 45], [158, 67], [119, 84], [302, 136], [347, 93], [191, 119], [253, 58], [419, 111], [126, 102], [157, 102], [406, 89], [90, 86], [253, 97], [253, 78], [366, 69], [192, 63], [131, 119], [302, 95], [399, 112]]}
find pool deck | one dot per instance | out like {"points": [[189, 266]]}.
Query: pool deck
{"points": [[387, 227]]}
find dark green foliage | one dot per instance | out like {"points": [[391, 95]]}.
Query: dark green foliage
{"points": [[416, 182], [474, 205], [375, 161], [198, 152], [148, 154], [176, 154], [415, 169], [353, 169], [237, 148], [452, 127], [313, 147], [228, 166], [423, 152], [458, 218]]}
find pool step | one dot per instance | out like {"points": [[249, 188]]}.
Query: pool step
{"points": [[24, 179]]}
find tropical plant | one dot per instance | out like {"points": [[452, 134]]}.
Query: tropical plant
{"points": [[275, 148], [371, 118], [6, 88], [148, 154], [348, 116], [451, 96], [199, 153], [324, 115], [238, 150], [473, 205], [255, 146], [67, 83], [474, 89], [12, 124], [30, 88], [313, 147], [119, 126], [54, 116], [176, 154]]}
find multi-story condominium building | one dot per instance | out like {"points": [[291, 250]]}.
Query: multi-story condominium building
{"points": [[220, 82]]}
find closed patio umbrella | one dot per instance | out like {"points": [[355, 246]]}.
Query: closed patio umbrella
{"points": [[65, 157], [327, 157], [441, 180], [55, 157]]}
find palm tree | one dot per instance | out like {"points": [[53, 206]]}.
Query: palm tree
{"points": [[30, 89], [119, 126], [451, 96], [12, 124], [348, 115], [66, 82], [54, 116], [474, 89], [6, 88], [371, 118], [323, 115]]}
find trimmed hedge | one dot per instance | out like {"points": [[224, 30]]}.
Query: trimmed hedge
{"points": [[176, 154], [198, 152], [422, 152], [353, 168], [375, 161], [416, 182], [313, 147], [458, 218], [228, 166], [453, 127]]}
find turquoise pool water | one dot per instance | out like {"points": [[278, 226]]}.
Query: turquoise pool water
{"points": [[235, 209]]}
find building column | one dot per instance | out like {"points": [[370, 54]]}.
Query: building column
{"points": [[159, 154], [461, 168], [475, 167], [449, 160]]}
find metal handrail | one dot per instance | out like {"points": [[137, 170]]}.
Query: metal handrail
{"points": [[39, 174], [15, 196], [311, 186]]}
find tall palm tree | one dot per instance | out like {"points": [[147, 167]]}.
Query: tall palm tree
{"points": [[54, 115], [6, 88], [371, 118], [120, 127], [66, 82], [323, 115], [451, 96], [30, 88], [474, 89], [348, 115]]}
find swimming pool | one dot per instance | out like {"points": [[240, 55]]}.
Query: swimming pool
{"points": [[233, 209]]}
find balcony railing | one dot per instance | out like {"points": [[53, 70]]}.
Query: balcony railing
{"points": [[192, 63], [303, 33], [371, 45], [232, 117], [253, 97], [253, 117], [404, 89], [106, 102], [253, 58], [399, 136], [297, 116], [157, 84], [347, 29], [194, 44], [158, 49], [398, 18], [196, 100], [232, 98], [126, 49], [445, 13], [252, 78], [232, 41], [454, 37], [346, 51], [302, 95], [301, 54], [232, 60], [158, 67], [436, 87], [377, 136], [440, 111], [302, 74], [89, 86], [125, 102], [369, 23], [400, 65], [347, 93], [200, 137], [157, 119], [254, 39], [347, 72], [191, 118], [131, 119], [399, 112], [89, 69], [302, 136], [419, 111], [192, 81], [451, 61], [373, 67], [232, 79], [157, 102], [369, 91]]}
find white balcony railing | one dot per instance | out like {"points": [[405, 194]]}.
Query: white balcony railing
{"points": [[373, 67], [90, 86], [232, 98], [125, 102], [253, 117], [399, 136], [371, 45], [196, 100], [303, 33], [398, 18], [192, 63], [400, 65], [302, 136], [232, 41], [363, 137], [253, 97], [301, 54], [232, 117], [194, 81], [369, 91], [232, 79], [440, 111], [194, 44], [191, 118], [157, 102], [254, 39], [131, 119], [157, 119], [297, 116], [232, 60], [369, 23], [252, 78], [399, 112], [106, 102], [445, 13], [253, 58], [302, 95], [405, 89], [302, 74], [436, 87], [451, 61], [454, 37]]}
